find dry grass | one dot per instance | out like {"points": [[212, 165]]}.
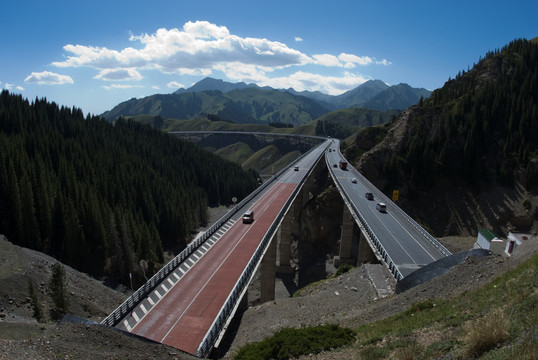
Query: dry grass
{"points": [[486, 333]]}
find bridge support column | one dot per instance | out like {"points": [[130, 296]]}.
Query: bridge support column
{"points": [[267, 273], [284, 243], [366, 254], [346, 240]]}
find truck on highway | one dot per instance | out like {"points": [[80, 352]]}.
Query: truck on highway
{"points": [[343, 165]]}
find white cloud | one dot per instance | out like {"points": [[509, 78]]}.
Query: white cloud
{"points": [[48, 78], [199, 45], [201, 48], [175, 85], [155, 87], [118, 75], [347, 61], [121, 86], [327, 60], [332, 85]]}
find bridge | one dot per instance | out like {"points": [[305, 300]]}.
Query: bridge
{"points": [[190, 302]]}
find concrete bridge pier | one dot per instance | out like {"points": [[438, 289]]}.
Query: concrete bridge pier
{"points": [[346, 240], [284, 243], [268, 271]]}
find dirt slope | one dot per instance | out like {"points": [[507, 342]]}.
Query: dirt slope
{"points": [[348, 300]]}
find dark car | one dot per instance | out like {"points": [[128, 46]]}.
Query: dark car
{"points": [[369, 196]]}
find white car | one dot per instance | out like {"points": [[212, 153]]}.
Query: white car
{"points": [[354, 180]]}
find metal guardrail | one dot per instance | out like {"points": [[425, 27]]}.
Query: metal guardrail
{"points": [[408, 218], [218, 324], [370, 235]]}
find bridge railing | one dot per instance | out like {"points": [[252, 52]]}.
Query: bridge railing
{"points": [[369, 233], [220, 321], [408, 218], [141, 293]]}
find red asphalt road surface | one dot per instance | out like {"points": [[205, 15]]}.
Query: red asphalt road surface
{"points": [[183, 316]]}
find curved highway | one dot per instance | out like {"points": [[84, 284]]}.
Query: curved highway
{"points": [[402, 239], [188, 303]]}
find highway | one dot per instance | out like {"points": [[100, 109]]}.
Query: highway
{"points": [[188, 303], [406, 244], [181, 310]]}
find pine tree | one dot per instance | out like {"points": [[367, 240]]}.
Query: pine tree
{"points": [[37, 308], [58, 289]]}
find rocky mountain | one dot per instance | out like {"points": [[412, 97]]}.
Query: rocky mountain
{"points": [[399, 97], [214, 84], [362, 94], [249, 103], [465, 158]]}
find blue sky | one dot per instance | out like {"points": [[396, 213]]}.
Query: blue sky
{"points": [[96, 54]]}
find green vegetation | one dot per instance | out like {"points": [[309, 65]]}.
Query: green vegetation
{"points": [[58, 289], [497, 321], [343, 123], [114, 193], [291, 343], [35, 302], [249, 105], [481, 126]]}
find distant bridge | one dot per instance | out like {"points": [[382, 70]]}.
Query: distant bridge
{"points": [[189, 303]]}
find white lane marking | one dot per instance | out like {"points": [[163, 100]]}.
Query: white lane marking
{"points": [[267, 203], [127, 325]]}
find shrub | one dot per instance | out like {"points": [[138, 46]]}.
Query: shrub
{"points": [[486, 333], [343, 268], [288, 342]]}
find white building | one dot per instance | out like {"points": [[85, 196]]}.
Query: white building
{"points": [[487, 240], [514, 240]]}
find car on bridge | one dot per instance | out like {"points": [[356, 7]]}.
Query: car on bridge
{"points": [[381, 207], [354, 180], [248, 217], [369, 196], [296, 168]]}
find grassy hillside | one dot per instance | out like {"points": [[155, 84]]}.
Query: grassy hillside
{"points": [[238, 152], [249, 105]]}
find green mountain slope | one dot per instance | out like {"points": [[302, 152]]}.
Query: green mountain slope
{"points": [[476, 134], [242, 103], [399, 96], [249, 105]]}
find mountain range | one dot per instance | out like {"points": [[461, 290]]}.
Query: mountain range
{"points": [[249, 103]]}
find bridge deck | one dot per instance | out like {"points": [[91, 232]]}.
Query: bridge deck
{"points": [[182, 317]]}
